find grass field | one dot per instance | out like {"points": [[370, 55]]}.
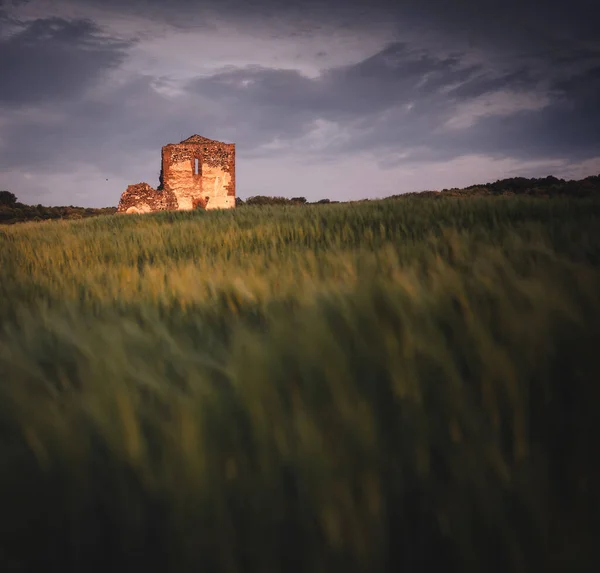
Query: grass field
{"points": [[401, 385]]}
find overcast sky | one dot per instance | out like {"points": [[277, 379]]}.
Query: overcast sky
{"points": [[343, 99]]}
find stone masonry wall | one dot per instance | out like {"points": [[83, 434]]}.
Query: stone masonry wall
{"points": [[214, 184], [198, 172], [141, 198]]}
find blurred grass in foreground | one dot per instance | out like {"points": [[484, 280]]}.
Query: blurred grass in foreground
{"points": [[387, 386]]}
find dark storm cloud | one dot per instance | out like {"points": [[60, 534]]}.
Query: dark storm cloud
{"points": [[370, 99], [557, 131], [103, 131], [523, 48], [492, 22], [397, 75], [567, 127], [52, 59], [396, 99]]}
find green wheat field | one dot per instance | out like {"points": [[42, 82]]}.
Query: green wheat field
{"points": [[389, 386]]}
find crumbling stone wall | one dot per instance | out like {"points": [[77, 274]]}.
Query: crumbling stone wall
{"points": [[141, 198], [196, 173]]}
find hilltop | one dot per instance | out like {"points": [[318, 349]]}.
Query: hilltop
{"points": [[549, 186]]}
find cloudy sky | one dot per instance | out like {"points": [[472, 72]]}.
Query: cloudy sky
{"points": [[342, 99]]}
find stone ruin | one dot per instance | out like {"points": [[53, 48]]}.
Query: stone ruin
{"points": [[198, 173]]}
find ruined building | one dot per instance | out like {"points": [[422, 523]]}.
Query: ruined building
{"points": [[196, 173]]}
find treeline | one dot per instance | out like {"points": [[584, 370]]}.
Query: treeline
{"points": [[12, 211], [544, 187], [265, 200]]}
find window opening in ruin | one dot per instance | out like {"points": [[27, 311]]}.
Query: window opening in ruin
{"points": [[196, 166]]}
